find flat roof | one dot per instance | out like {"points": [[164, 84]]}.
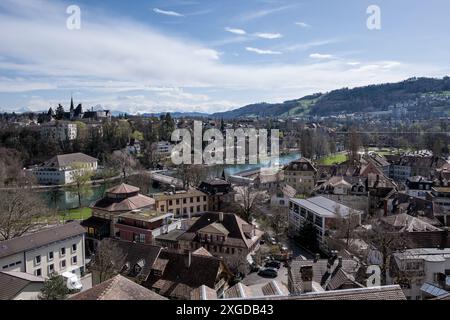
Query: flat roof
{"points": [[147, 216], [324, 207]]}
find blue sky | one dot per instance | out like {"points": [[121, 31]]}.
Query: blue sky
{"points": [[208, 56]]}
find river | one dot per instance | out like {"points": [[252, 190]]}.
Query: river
{"points": [[67, 198]]}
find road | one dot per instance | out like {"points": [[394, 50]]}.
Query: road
{"points": [[254, 278]]}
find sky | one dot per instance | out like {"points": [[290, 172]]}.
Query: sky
{"points": [[210, 55]]}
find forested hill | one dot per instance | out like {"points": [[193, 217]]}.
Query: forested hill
{"points": [[362, 99]]}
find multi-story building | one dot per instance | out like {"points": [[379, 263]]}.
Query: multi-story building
{"points": [[321, 212], [224, 235], [143, 226], [162, 148], [301, 175], [219, 192], [418, 186], [440, 196], [184, 203], [62, 168], [54, 250], [107, 211], [422, 273], [59, 131]]}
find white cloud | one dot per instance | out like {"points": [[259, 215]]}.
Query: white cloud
{"points": [[302, 24], [269, 35], [236, 31], [262, 51], [168, 13], [321, 56], [105, 60]]}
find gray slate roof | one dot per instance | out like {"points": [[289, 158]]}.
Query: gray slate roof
{"points": [[40, 238]]}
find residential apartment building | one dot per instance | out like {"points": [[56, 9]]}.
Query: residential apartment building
{"points": [[61, 169], [422, 273], [418, 186], [54, 250], [59, 131], [321, 212], [224, 235], [184, 203], [143, 226], [301, 175]]}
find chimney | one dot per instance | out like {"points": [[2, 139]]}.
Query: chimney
{"points": [[317, 257], [188, 259], [306, 273], [221, 216], [339, 262]]}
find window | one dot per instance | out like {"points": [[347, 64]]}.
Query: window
{"points": [[74, 260], [191, 209], [198, 209], [38, 272], [74, 247], [177, 201], [141, 238], [184, 200], [191, 199], [204, 198], [51, 268], [170, 202], [198, 199], [162, 208], [184, 210], [37, 260], [50, 256], [204, 207], [5, 267], [62, 264]]}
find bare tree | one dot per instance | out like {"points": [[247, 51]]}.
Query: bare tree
{"points": [[345, 226], [108, 260], [21, 211], [354, 144], [386, 242], [248, 198], [191, 175], [81, 178], [123, 162]]}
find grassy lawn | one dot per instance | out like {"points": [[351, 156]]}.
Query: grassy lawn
{"points": [[75, 214], [333, 159]]}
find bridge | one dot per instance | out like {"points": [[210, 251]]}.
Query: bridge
{"points": [[165, 179]]}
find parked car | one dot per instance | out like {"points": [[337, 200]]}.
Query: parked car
{"points": [[273, 264], [268, 273]]}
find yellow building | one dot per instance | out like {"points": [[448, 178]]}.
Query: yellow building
{"points": [[182, 203]]}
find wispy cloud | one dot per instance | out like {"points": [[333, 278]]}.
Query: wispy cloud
{"points": [[321, 56], [168, 13], [236, 31], [262, 51], [269, 35], [302, 24], [309, 45], [263, 13]]}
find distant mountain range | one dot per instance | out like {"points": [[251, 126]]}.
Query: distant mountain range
{"points": [[178, 114], [343, 101]]}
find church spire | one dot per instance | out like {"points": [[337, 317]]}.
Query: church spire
{"points": [[71, 103]]}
